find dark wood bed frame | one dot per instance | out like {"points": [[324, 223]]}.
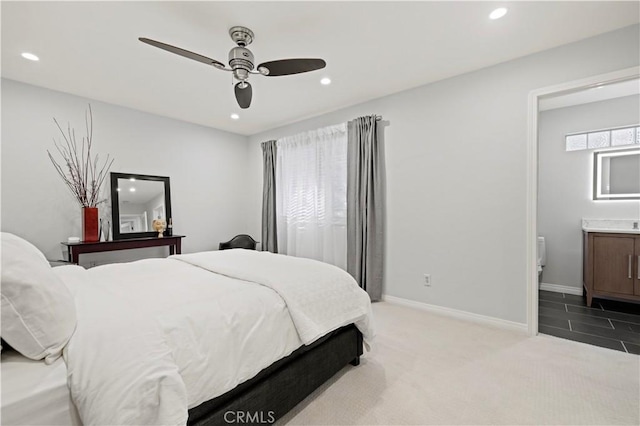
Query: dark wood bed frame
{"points": [[281, 386]]}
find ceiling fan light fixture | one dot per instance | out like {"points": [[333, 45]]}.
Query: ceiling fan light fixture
{"points": [[244, 93], [241, 74], [498, 13]]}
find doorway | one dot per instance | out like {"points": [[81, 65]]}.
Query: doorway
{"points": [[545, 304]]}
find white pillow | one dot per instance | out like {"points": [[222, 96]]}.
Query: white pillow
{"points": [[38, 311]]}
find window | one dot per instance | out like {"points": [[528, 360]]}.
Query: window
{"points": [[311, 195], [621, 136]]}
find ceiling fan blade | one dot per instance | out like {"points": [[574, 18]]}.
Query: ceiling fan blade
{"points": [[292, 66], [181, 52], [243, 94]]}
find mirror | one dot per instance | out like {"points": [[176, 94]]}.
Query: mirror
{"points": [[136, 200], [617, 175]]}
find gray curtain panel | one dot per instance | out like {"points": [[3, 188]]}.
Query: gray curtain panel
{"points": [[269, 231], [365, 201]]}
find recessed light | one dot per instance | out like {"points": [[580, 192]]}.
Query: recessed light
{"points": [[235, 116], [325, 81], [132, 179], [30, 56], [132, 189], [498, 13]]}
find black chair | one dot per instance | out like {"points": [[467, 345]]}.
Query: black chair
{"points": [[239, 241]]}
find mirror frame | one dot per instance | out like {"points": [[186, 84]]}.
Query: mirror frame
{"points": [[597, 178], [115, 203]]}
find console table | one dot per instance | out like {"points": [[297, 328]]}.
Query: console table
{"points": [[76, 249]]}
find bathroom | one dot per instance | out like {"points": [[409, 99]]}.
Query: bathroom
{"points": [[580, 134]]}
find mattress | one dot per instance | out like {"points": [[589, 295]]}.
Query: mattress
{"points": [[34, 393]]}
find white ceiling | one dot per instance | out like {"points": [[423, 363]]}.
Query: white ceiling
{"points": [[372, 49]]}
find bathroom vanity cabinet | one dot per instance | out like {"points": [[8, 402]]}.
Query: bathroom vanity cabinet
{"points": [[611, 266]]}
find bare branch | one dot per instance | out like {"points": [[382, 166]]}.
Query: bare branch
{"points": [[81, 172]]}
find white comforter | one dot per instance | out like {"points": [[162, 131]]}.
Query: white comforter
{"points": [[320, 297], [159, 336]]}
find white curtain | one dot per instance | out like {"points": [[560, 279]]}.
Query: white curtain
{"points": [[311, 196]]}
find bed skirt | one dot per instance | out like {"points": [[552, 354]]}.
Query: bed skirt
{"points": [[280, 387]]}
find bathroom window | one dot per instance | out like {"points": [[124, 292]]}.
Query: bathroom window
{"points": [[620, 136]]}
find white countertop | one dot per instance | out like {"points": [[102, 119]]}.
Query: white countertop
{"points": [[617, 226], [612, 231]]}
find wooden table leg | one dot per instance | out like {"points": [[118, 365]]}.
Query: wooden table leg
{"points": [[74, 255], [175, 247]]}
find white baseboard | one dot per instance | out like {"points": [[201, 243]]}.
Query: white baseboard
{"points": [[455, 313], [561, 288]]}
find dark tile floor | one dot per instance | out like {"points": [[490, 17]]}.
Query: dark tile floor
{"points": [[610, 324]]}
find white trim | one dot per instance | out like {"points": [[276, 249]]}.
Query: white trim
{"points": [[532, 216], [532, 175], [455, 313], [561, 288], [608, 129]]}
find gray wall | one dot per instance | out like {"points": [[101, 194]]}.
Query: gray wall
{"points": [[206, 167], [456, 175], [566, 186], [455, 160]]}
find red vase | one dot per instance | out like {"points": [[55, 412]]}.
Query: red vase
{"points": [[90, 231]]}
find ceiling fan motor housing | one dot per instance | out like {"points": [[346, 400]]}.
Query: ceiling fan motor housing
{"points": [[241, 61]]}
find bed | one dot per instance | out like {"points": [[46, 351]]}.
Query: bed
{"points": [[234, 336], [35, 393]]}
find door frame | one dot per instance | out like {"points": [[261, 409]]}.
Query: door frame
{"points": [[532, 173]]}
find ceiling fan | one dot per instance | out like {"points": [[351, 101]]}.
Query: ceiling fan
{"points": [[241, 63]]}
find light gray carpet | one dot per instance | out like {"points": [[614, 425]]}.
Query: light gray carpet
{"points": [[429, 369]]}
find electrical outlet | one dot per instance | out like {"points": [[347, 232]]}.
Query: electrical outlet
{"points": [[427, 280]]}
